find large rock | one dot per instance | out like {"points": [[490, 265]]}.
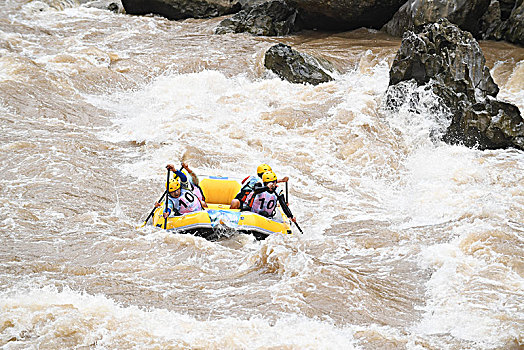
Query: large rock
{"points": [[345, 14], [492, 25], [181, 9], [504, 20], [445, 53], [450, 62], [272, 18], [250, 3], [416, 13], [515, 24], [297, 67]]}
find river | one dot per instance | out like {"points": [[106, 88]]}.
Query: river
{"points": [[408, 243]]}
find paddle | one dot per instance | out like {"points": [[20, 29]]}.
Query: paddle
{"points": [[288, 213], [167, 197], [302, 232], [159, 200], [153, 210]]}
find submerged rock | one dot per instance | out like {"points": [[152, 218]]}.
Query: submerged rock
{"points": [[450, 62], [181, 9], [111, 5], [272, 18], [297, 67]]}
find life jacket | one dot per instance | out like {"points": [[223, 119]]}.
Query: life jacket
{"points": [[188, 184], [198, 192], [187, 202], [248, 185], [263, 203]]}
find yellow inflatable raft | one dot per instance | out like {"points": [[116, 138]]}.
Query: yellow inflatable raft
{"points": [[218, 220]]}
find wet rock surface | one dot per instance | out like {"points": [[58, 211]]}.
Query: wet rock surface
{"points": [[416, 13], [515, 24], [181, 9], [450, 62], [345, 14], [297, 67], [504, 20], [272, 18], [485, 19]]}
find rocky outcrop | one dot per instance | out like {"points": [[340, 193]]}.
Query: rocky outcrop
{"points": [[416, 13], [272, 18], [250, 3], [450, 62], [282, 17], [345, 14], [504, 20], [297, 67], [181, 9], [492, 24], [485, 19], [312, 14], [515, 24]]}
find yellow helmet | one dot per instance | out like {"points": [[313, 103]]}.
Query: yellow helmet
{"points": [[174, 185], [262, 168], [269, 176]]}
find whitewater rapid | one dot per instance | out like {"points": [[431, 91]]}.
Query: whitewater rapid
{"points": [[408, 242]]}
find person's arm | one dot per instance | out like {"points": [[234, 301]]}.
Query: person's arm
{"points": [[194, 177], [259, 188], [285, 179], [168, 210], [181, 175], [285, 208]]}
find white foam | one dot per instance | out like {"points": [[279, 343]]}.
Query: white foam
{"points": [[50, 318], [468, 297]]}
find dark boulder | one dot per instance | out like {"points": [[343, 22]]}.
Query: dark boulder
{"points": [[416, 13], [181, 9], [113, 7], [446, 53], [488, 125], [449, 62], [504, 20], [515, 24], [250, 3], [485, 19], [297, 67], [312, 14], [491, 24], [272, 18], [345, 14]]}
